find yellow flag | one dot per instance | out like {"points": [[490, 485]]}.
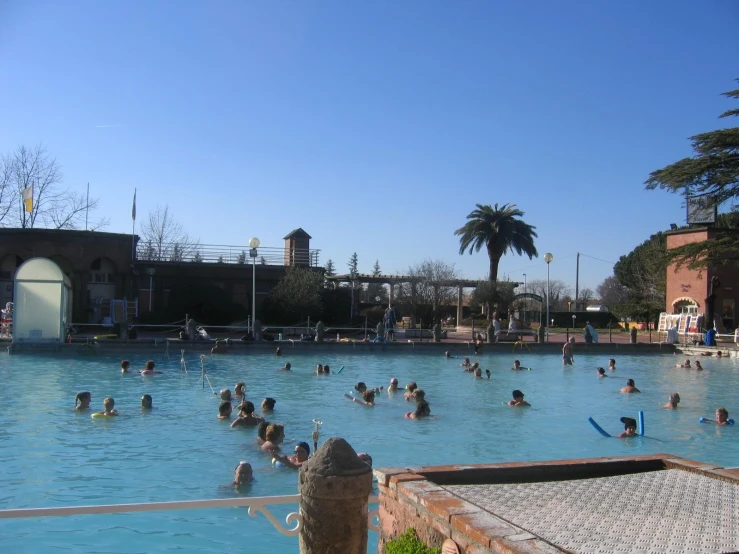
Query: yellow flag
{"points": [[28, 198]]}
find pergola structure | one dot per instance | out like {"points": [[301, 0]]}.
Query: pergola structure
{"points": [[392, 280]]}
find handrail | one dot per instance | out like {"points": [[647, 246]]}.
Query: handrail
{"points": [[255, 505]]}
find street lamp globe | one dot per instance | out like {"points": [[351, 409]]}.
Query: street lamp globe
{"points": [[548, 257], [254, 242]]}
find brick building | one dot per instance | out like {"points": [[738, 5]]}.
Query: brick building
{"points": [[688, 289], [108, 266]]}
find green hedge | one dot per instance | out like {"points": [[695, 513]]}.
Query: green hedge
{"points": [[409, 543]]}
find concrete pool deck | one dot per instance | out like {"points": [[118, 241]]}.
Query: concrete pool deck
{"points": [[657, 503]]}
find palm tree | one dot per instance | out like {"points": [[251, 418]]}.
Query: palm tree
{"points": [[499, 230]]}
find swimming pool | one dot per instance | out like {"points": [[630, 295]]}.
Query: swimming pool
{"points": [[51, 455]]}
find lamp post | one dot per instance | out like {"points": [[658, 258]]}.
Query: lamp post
{"points": [[574, 317], [525, 299], [548, 258], [150, 272], [253, 245]]}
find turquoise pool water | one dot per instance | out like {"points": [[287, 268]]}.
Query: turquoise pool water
{"points": [[51, 455]]}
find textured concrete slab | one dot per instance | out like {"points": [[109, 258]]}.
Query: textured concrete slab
{"points": [[668, 511]]}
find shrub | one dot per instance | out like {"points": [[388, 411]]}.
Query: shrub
{"points": [[409, 543]]}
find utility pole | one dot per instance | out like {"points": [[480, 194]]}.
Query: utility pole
{"points": [[577, 280]]}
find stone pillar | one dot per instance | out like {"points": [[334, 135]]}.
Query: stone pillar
{"points": [[334, 485], [460, 300], [320, 331]]}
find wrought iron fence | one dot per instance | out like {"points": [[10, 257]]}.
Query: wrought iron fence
{"points": [[224, 254]]}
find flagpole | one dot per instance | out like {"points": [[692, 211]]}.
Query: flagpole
{"points": [[133, 227], [87, 206]]}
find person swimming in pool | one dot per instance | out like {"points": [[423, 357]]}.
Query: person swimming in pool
{"points": [[698, 365], [278, 351], [487, 372], [274, 435], [409, 388], [472, 368], [685, 364], [422, 410], [268, 404], [243, 475], [629, 427], [630, 387], [226, 395], [262, 432], [447, 354], [673, 402], [360, 387], [611, 365], [246, 416], [478, 373], [108, 408], [286, 367], [568, 351], [518, 399], [366, 458], [300, 456], [124, 366], [465, 363], [146, 402], [517, 366], [369, 398], [722, 416], [602, 372], [225, 409], [240, 389], [393, 387], [326, 369], [319, 369], [84, 398], [149, 369]]}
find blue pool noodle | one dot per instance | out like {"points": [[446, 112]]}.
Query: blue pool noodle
{"points": [[598, 427], [641, 423], [706, 420]]}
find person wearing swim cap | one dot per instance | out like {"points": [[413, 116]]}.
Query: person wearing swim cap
{"points": [[674, 401], [286, 367], [146, 402], [630, 387], [629, 427], [226, 395], [84, 398], [360, 387], [124, 366], [301, 455], [409, 388], [393, 385], [243, 475], [518, 400]]}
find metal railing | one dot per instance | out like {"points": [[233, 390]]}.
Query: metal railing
{"points": [[225, 254], [255, 506]]}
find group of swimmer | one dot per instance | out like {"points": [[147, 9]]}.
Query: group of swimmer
{"points": [[83, 399]]}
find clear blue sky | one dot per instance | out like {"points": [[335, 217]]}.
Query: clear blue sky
{"points": [[375, 126]]}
